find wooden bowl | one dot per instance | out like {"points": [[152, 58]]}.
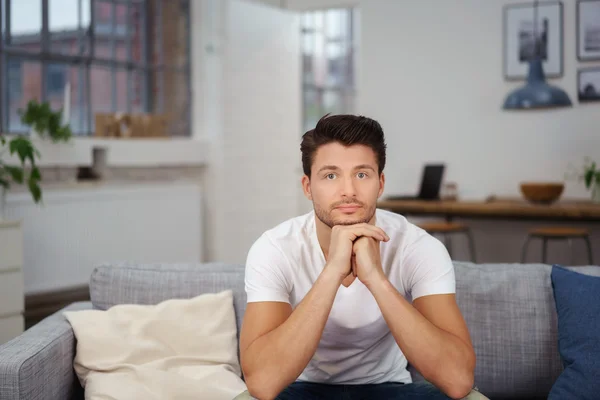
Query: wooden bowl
{"points": [[542, 192]]}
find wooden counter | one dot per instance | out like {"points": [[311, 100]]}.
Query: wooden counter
{"points": [[515, 209]]}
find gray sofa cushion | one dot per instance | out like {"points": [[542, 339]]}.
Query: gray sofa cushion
{"points": [[510, 312], [130, 283]]}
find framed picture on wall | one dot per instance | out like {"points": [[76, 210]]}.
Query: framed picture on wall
{"points": [[588, 84], [588, 30], [523, 40]]}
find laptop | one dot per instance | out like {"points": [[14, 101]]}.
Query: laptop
{"points": [[431, 182]]}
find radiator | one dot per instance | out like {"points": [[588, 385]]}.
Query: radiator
{"points": [[76, 229]]}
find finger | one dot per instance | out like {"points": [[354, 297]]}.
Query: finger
{"points": [[354, 265], [373, 228], [358, 231]]}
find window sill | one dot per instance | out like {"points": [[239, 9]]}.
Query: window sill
{"points": [[141, 152]]}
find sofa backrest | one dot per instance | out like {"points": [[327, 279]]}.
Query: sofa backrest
{"points": [[509, 309], [135, 283]]}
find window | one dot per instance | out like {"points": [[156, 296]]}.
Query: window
{"points": [[13, 72], [55, 79], [328, 57], [113, 55]]}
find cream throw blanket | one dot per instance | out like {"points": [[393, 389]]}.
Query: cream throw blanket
{"points": [[178, 349]]}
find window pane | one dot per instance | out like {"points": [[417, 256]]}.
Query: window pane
{"points": [[103, 22], [337, 65], [57, 78], [334, 28], [2, 22], [333, 102], [100, 91], [171, 34], [158, 83], [308, 69], [320, 61], [312, 108], [24, 84], [26, 24], [319, 21], [138, 91], [122, 103], [80, 110], [68, 26], [136, 33], [308, 43], [307, 21], [120, 32]]}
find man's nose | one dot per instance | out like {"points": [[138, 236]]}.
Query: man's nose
{"points": [[348, 188]]}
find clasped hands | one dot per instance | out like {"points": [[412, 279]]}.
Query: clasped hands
{"points": [[354, 249]]}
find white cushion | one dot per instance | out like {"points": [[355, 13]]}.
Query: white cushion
{"points": [[177, 349]]}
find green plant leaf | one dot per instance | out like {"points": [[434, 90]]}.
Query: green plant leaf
{"points": [[588, 177], [4, 183], [16, 173], [23, 147], [35, 190], [35, 174], [45, 121]]}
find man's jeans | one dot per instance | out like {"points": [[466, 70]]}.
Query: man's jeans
{"points": [[382, 391]]}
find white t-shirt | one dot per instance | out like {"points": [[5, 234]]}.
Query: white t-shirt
{"points": [[356, 346]]}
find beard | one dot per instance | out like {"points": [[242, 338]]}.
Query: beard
{"points": [[326, 217]]}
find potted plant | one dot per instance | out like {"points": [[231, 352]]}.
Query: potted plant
{"points": [[45, 123], [591, 177]]}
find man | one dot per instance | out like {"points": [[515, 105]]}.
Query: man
{"points": [[342, 298]]}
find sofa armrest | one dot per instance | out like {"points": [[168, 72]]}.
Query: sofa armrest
{"points": [[38, 364]]}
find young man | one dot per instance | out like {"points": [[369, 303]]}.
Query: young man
{"points": [[342, 298]]}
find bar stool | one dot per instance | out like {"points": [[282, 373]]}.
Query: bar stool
{"points": [[446, 230], [557, 233]]}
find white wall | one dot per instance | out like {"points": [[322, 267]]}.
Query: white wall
{"points": [[250, 85], [431, 73]]}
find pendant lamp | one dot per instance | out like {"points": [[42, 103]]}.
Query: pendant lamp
{"points": [[536, 93]]}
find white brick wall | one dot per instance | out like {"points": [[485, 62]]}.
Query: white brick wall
{"points": [[251, 106]]}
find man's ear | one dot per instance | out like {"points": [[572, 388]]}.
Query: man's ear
{"points": [[381, 184], [306, 187]]}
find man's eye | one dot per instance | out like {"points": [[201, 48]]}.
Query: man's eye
{"points": [[362, 175], [330, 176]]}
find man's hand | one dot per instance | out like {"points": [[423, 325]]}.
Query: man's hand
{"points": [[366, 260], [343, 237]]}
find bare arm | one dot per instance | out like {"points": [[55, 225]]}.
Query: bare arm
{"points": [[276, 344], [432, 335]]}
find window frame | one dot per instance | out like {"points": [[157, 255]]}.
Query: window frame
{"points": [[86, 57], [345, 90]]}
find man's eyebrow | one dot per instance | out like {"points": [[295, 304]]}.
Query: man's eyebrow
{"points": [[328, 167], [364, 166]]}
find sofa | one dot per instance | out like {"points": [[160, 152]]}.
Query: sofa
{"points": [[509, 309]]}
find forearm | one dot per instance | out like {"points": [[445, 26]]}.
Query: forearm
{"points": [[441, 357], [276, 359]]}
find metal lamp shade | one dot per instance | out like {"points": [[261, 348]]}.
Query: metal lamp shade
{"points": [[536, 93]]}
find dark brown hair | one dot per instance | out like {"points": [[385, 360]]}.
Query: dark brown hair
{"points": [[347, 130]]}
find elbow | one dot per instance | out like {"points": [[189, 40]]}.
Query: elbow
{"points": [[461, 385], [460, 389], [261, 389]]}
